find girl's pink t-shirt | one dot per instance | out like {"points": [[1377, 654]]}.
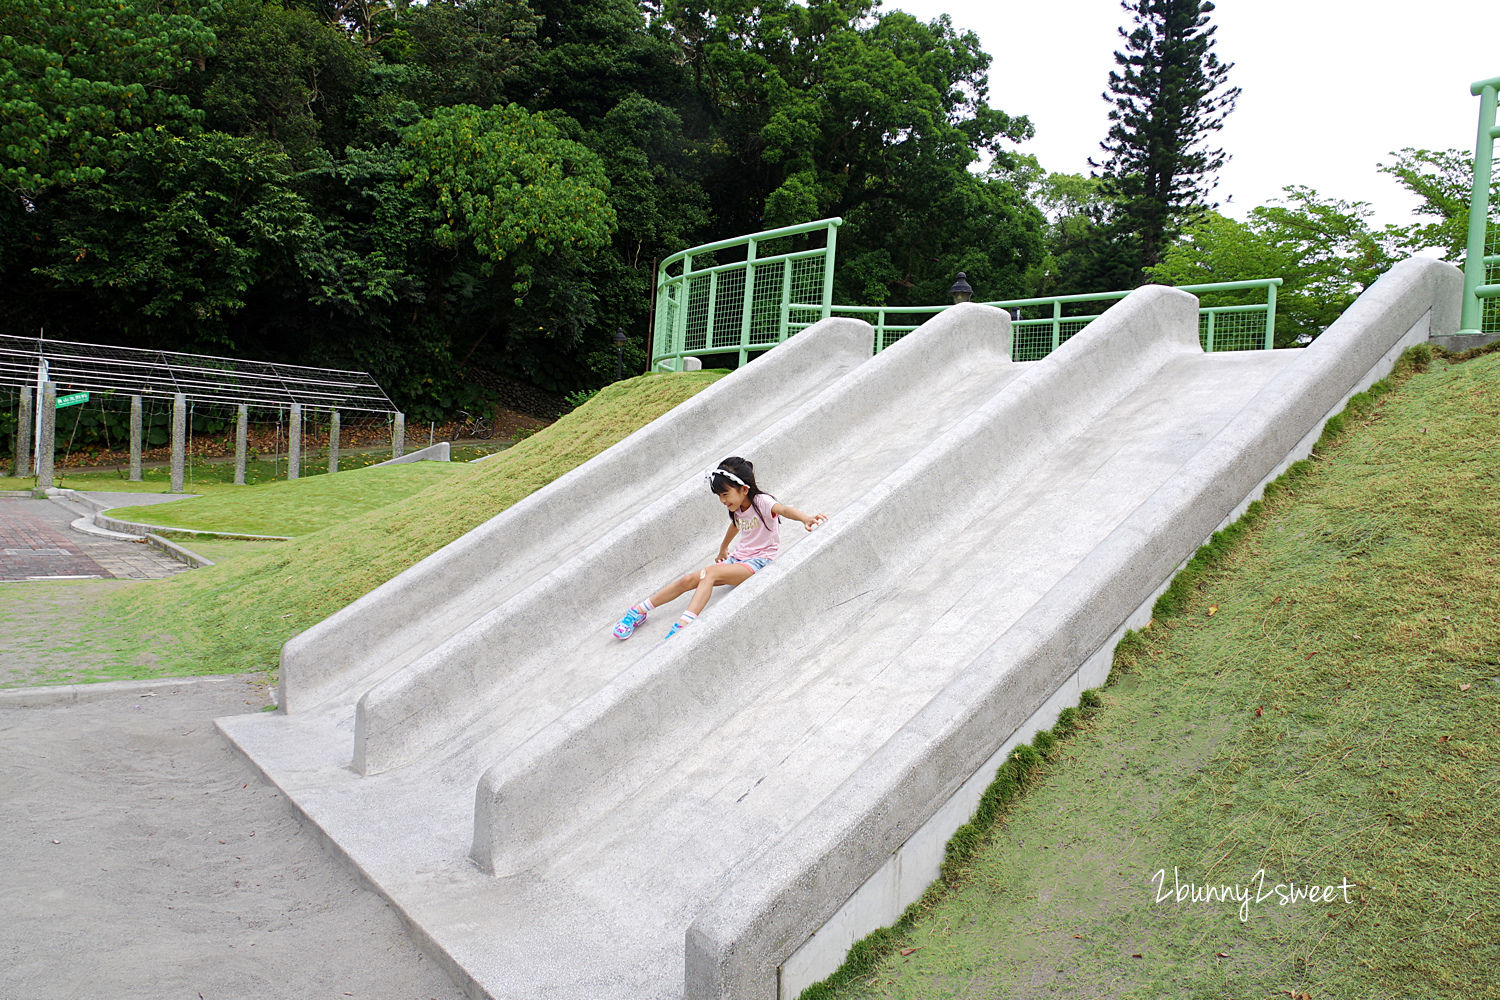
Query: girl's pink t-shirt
{"points": [[760, 530]]}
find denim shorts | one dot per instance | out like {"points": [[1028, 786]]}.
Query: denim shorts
{"points": [[756, 565]]}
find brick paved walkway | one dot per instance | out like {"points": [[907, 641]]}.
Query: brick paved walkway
{"points": [[37, 544]]}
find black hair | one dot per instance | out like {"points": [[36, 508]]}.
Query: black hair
{"points": [[745, 470]]}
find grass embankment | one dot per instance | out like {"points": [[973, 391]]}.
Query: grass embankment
{"points": [[215, 475], [301, 506], [1317, 699], [235, 616]]}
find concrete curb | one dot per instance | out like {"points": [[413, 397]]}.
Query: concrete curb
{"points": [[178, 552], [432, 453], [37, 697], [141, 529]]}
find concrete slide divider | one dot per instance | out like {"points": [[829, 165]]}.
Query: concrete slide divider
{"points": [[385, 623], [598, 753], [417, 709], [737, 943]]}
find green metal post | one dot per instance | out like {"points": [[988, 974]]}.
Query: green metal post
{"points": [[679, 334], [713, 305], [786, 301], [1208, 345], [748, 310], [1479, 206], [1056, 323], [1270, 316], [828, 259]]}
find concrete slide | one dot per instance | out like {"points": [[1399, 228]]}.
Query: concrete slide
{"points": [[558, 814]]}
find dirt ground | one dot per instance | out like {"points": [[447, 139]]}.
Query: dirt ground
{"points": [[143, 858]]}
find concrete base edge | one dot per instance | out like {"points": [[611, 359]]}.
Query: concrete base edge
{"points": [[430, 946], [59, 694]]}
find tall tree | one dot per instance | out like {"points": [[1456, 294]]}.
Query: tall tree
{"points": [[1167, 100]]}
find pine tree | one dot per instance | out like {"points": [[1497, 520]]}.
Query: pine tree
{"points": [[1168, 99]]}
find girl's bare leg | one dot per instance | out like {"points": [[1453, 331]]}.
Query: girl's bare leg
{"points": [[703, 583], [719, 575]]}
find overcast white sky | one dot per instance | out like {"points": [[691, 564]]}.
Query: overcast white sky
{"points": [[1330, 87]]}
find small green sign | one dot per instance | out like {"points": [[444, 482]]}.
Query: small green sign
{"points": [[72, 399]]}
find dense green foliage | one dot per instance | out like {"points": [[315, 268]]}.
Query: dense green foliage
{"points": [[434, 192], [451, 193]]}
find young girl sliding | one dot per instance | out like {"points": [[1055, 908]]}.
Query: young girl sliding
{"points": [[754, 517]]}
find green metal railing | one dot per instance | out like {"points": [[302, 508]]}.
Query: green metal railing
{"points": [[772, 289], [704, 306], [1040, 325], [1481, 303]]}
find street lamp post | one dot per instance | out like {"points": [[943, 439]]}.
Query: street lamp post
{"points": [[961, 291], [620, 339]]}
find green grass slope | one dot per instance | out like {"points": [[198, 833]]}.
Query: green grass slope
{"points": [[235, 616], [1316, 704], [298, 506]]}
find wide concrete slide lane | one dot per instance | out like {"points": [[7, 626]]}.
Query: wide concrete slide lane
{"points": [[487, 673], [442, 593], [606, 748], [738, 944]]}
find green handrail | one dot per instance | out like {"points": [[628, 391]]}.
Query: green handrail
{"points": [[1477, 265], [747, 305], [1060, 326], [689, 303]]}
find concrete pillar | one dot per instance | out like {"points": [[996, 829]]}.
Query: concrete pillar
{"points": [[136, 429], [294, 443], [333, 441], [23, 433], [398, 436], [241, 432], [49, 436], [179, 440]]}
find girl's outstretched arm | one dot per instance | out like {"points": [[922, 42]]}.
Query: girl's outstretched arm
{"points": [[811, 521], [728, 537]]}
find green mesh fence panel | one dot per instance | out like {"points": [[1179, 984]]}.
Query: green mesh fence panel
{"points": [[729, 309], [1232, 331]]}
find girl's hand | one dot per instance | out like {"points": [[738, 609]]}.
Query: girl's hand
{"points": [[815, 520]]}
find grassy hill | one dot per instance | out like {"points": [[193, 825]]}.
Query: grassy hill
{"points": [[235, 616], [1316, 703]]}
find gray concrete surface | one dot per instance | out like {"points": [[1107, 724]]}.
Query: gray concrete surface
{"points": [[679, 819], [39, 543], [432, 453], [144, 859]]}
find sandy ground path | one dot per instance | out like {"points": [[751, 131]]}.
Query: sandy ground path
{"points": [[143, 858]]}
